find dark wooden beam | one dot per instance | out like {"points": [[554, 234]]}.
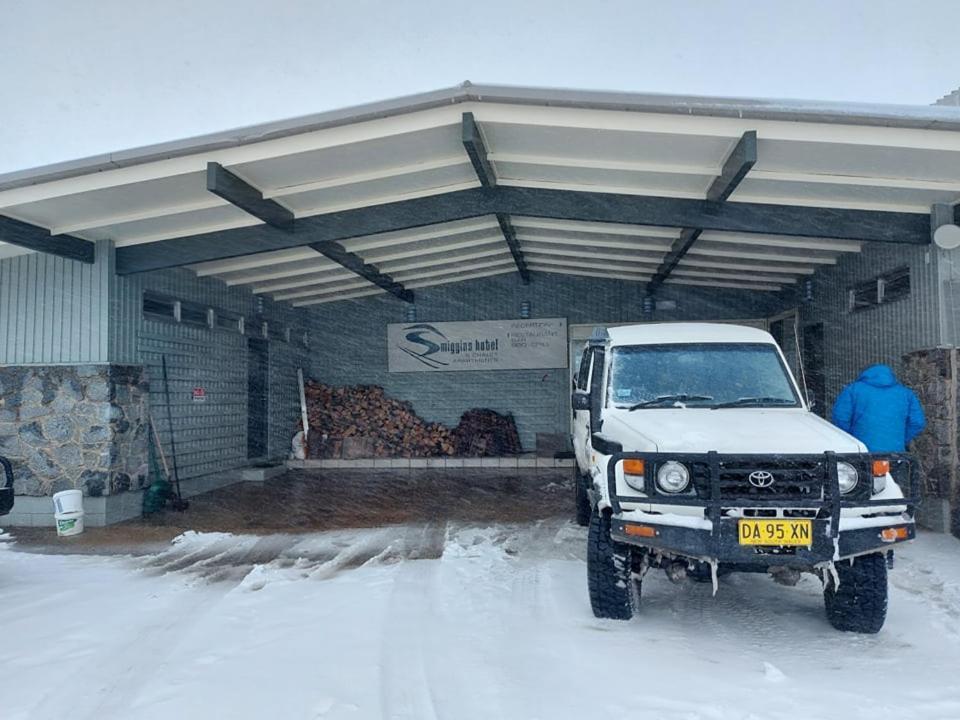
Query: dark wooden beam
{"points": [[763, 218], [355, 264], [510, 235], [477, 150], [473, 144], [735, 168], [802, 221], [239, 192], [33, 237]]}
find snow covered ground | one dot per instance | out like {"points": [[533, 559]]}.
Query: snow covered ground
{"points": [[452, 622]]}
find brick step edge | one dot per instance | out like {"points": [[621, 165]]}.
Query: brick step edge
{"points": [[434, 462]]}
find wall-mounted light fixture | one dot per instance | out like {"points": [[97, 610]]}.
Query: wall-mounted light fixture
{"points": [[525, 310], [648, 305]]}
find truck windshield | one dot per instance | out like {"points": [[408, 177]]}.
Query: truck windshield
{"points": [[704, 375]]}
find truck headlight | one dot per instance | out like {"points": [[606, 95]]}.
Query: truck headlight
{"points": [[673, 477], [847, 476]]}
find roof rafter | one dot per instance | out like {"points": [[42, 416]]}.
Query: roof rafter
{"points": [[237, 191], [735, 168], [354, 263], [32, 237], [479, 158]]}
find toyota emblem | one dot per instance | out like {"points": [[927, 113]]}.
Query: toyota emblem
{"points": [[761, 479]]}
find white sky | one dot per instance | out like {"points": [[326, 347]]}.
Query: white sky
{"points": [[86, 77]]}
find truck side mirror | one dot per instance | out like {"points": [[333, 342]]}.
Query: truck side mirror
{"points": [[580, 400], [811, 401]]}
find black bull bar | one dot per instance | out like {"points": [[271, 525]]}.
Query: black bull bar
{"points": [[711, 488]]}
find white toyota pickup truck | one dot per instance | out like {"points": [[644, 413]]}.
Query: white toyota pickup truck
{"points": [[697, 453]]}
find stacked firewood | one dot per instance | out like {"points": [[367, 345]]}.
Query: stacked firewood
{"points": [[362, 421], [485, 432]]}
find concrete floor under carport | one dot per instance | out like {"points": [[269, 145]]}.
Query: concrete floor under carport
{"points": [[314, 500]]}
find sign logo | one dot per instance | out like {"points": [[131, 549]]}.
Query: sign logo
{"points": [[421, 341], [477, 345], [760, 479]]}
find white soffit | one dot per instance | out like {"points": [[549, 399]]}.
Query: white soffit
{"points": [[855, 157]]}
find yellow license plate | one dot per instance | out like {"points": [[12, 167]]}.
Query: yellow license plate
{"points": [[774, 531]]}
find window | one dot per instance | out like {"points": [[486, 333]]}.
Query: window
{"points": [[195, 315], [863, 296], [299, 338], [229, 321], [159, 307], [713, 373], [276, 333], [895, 285], [886, 288]]}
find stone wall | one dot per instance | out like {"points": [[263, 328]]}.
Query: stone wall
{"points": [[932, 374], [74, 426]]}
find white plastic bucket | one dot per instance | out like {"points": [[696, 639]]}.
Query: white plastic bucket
{"points": [[69, 523], [68, 501]]}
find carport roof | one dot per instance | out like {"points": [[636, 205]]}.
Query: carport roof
{"points": [[476, 181]]}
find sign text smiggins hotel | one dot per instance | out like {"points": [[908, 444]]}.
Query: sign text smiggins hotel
{"points": [[488, 345]]}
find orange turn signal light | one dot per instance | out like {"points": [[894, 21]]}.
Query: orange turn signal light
{"points": [[633, 466], [893, 534], [640, 530], [881, 467]]}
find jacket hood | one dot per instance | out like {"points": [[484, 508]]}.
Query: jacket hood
{"points": [[878, 376]]}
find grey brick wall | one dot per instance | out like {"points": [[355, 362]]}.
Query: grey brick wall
{"points": [[882, 334], [351, 345], [210, 436]]}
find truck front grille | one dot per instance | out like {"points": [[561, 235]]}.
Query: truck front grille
{"points": [[792, 479]]}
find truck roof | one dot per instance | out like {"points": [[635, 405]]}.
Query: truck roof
{"points": [[686, 332]]}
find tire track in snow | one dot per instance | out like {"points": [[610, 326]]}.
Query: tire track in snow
{"points": [[405, 691]]}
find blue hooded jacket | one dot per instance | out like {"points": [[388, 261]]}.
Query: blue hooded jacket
{"points": [[879, 411]]}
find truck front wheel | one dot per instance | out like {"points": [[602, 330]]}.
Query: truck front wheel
{"points": [[582, 499], [859, 604], [613, 591]]}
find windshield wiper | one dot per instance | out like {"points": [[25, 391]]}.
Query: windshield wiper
{"points": [[754, 401], [669, 398]]}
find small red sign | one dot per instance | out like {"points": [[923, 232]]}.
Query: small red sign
{"points": [[199, 394]]}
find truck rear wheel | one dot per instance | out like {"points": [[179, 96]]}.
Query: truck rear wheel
{"points": [[859, 604], [613, 592], [582, 499]]}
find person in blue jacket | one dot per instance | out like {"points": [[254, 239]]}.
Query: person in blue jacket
{"points": [[880, 412]]}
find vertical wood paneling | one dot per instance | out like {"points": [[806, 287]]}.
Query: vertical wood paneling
{"points": [[54, 310]]}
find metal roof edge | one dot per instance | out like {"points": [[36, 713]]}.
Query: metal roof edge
{"points": [[926, 117]]}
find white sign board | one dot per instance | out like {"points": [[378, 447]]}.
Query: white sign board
{"points": [[486, 345]]}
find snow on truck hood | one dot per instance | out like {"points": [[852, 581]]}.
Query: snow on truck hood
{"points": [[727, 430]]}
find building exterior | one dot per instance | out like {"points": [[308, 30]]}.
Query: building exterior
{"points": [[240, 258]]}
